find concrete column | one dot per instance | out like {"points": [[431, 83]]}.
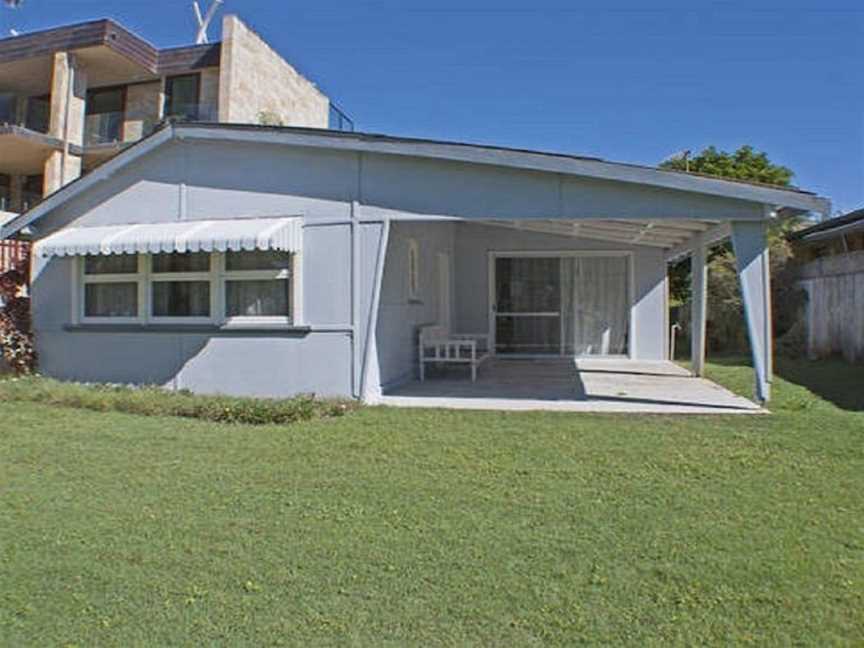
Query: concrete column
{"points": [[699, 304], [751, 256], [68, 100]]}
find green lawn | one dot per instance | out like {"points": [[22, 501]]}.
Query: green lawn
{"points": [[394, 527]]}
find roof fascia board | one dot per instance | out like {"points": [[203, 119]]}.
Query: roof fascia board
{"points": [[100, 173], [520, 159]]}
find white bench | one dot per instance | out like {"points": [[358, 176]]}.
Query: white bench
{"points": [[439, 345]]}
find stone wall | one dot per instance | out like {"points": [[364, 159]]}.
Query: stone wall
{"points": [[835, 305], [143, 109], [257, 85]]}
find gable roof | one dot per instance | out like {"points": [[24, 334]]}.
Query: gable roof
{"points": [[832, 227], [774, 197]]}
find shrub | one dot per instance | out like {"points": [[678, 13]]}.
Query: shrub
{"points": [[16, 336], [155, 401]]}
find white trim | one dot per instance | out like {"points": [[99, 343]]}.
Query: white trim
{"points": [[491, 306]]}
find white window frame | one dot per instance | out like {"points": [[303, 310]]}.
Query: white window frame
{"points": [[217, 276], [413, 270], [81, 298]]}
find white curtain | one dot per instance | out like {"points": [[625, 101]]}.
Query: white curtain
{"points": [[596, 308]]}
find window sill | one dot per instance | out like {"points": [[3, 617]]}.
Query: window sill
{"points": [[241, 329]]}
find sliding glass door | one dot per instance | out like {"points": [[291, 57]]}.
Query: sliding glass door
{"points": [[527, 305], [572, 304]]}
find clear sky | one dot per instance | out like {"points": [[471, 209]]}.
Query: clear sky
{"points": [[626, 80]]}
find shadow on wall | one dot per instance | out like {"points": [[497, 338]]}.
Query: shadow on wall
{"points": [[833, 380]]}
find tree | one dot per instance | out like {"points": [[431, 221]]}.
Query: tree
{"points": [[725, 307], [744, 164]]}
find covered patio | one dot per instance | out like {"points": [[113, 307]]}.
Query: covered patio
{"points": [[568, 385]]}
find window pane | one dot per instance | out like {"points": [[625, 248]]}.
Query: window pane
{"points": [[111, 264], [104, 101], [181, 299], [111, 299], [181, 96], [269, 297], [257, 260], [176, 262]]}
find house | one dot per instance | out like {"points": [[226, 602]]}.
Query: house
{"points": [[74, 96], [830, 268], [315, 268]]}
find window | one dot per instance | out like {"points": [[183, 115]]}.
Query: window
{"points": [[413, 270], [193, 288], [105, 114], [257, 284], [181, 96], [180, 286], [111, 287]]}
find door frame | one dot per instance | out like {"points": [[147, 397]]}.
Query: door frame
{"points": [[493, 255]]}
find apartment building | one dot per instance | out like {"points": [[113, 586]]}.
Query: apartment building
{"points": [[74, 96]]}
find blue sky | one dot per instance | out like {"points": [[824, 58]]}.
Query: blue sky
{"points": [[624, 80]]}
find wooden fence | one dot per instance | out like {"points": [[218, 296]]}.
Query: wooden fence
{"points": [[12, 253], [835, 305]]}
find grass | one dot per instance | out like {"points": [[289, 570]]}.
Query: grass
{"points": [[154, 401], [394, 527]]}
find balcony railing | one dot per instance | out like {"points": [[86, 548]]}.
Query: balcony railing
{"points": [[339, 120], [195, 112], [38, 117], [8, 108], [5, 200], [103, 128]]}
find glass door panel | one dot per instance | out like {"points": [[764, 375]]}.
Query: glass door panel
{"points": [[527, 305]]}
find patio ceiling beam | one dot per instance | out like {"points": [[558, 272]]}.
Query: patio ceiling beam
{"points": [[685, 226], [710, 237]]}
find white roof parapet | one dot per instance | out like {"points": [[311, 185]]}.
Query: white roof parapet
{"points": [[283, 234]]}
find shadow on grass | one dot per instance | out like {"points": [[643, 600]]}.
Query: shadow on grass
{"points": [[833, 379]]}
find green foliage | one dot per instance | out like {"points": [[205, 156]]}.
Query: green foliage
{"points": [[269, 118], [16, 334], [154, 401], [744, 164], [726, 328], [395, 527]]}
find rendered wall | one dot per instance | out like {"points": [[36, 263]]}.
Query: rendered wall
{"points": [[337, 193], [256, 85], [399, 316]]}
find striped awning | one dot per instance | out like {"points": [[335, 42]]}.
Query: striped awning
{"points": [[283, 234]]}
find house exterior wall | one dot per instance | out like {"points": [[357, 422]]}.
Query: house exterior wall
{"points": [[346, 198], [400, 317], [259, 86]]}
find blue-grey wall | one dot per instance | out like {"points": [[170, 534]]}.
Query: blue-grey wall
{"points": [[399, 317], [344, 197]]}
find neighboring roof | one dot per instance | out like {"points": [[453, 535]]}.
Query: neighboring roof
{"points": [[107, 33], [774, 197], [853, 221]]}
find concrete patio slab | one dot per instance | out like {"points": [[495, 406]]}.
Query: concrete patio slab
{"points": [[583, 385]]}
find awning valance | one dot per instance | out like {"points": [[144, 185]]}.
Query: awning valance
{"points": [[284, 234]]}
